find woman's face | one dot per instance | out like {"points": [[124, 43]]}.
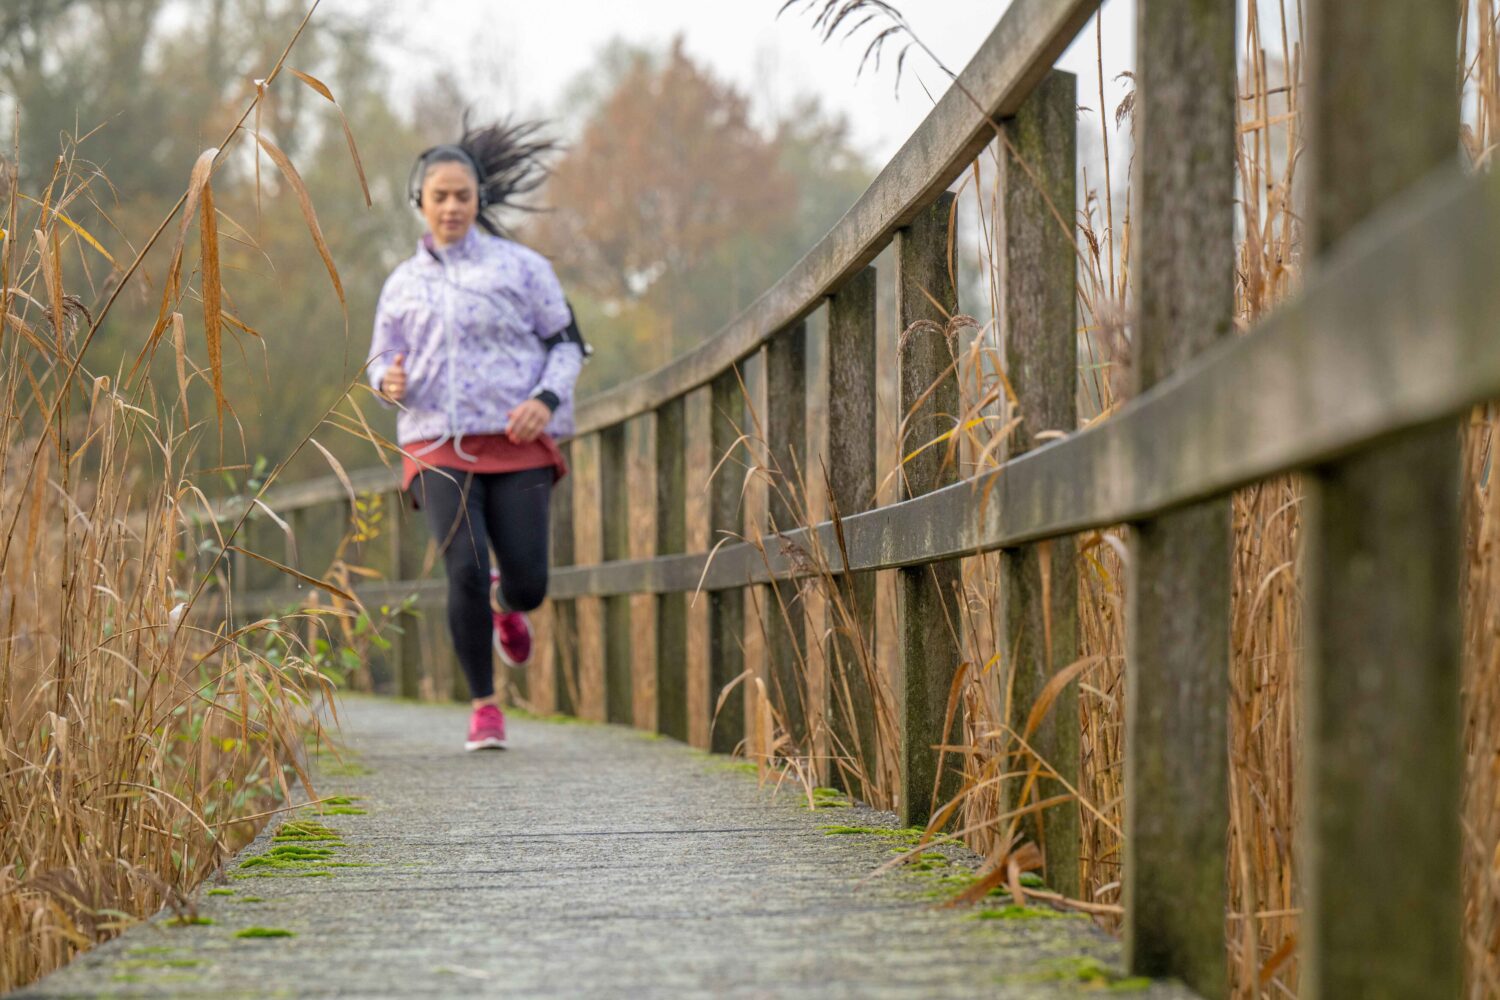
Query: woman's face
{"points": [[450, 201]]}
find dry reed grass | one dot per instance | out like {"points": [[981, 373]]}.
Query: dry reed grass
{"points": [[1262, 922], [144, 736]]}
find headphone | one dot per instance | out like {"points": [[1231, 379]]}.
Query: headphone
{"points": [[449, 153]]}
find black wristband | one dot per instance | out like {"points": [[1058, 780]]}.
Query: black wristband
{"points": [[549, 399]]}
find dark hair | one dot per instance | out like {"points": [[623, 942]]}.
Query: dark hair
{"points": [[506, 158]]}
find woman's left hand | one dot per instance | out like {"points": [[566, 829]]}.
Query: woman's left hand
{"points": [[527, 421]]}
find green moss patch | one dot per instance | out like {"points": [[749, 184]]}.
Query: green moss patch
{"points": [[264, 861], [1088, 971], [343, 769], [221, 892], [320, 873], [264, 932], [148, 952], [829, 798], [554, 718], [910, 836], [947, 884], [739, 767], [190, 921], [294, 856], [1015, 912], [159, 963], [300, 849], [336, 805], [952, 881], [305, 831]]}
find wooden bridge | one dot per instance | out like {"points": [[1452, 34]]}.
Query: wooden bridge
{"points": [[1358, 383]]}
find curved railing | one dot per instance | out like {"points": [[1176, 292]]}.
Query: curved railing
{"points": [[1356, 382]]}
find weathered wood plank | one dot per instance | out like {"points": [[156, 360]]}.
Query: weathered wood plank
{"points": [[1017, 53], [564, 664], [813, 599], [408, 652], [1394, 332], [287, 497], [588, 551], [726, 607], [614, 519], [851, 485], [1178, 613], [786, 437], [759, 722], [927, 595], [1381, 688], [671, 536], [699, 463], [1039, 583], [640, 495]]}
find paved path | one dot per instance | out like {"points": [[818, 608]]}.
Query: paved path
{"points": [[586, 861]]}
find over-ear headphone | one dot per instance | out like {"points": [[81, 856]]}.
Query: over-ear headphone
{"points": [[444, 153]]}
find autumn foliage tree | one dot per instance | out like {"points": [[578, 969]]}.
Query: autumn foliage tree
{"points": [[668, 187]]}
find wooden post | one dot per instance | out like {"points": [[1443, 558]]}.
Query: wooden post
{"points": [[1039, 583], [1381, 692], [1177, 634], [927, 596], [640, 493], [698, 463], [588, 549], [726, 608], [564, 616], [408, 651], [614, 514], [671, 536], [786, 436], [851, 673], [754, 508], [458, 684]]}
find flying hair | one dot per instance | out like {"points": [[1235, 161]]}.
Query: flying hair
{"points": [[507, 159]]}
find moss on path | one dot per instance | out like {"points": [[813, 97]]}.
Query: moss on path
{"points": [[584, 861]]}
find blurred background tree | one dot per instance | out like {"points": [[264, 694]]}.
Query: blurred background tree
{"points": [[675, 204]]}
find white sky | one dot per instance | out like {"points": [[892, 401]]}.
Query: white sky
{"points": [[525, 51]]}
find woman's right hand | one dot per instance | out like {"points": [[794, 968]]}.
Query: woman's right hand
{"points": [[393, 382]]}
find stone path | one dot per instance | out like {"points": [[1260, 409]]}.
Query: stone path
{"points": [[588, 861]]}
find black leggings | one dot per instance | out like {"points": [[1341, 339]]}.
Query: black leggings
{"points": [[468, 512]]}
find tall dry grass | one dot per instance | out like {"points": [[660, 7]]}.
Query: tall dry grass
{"points": [[145, 731], [1262, 931]]}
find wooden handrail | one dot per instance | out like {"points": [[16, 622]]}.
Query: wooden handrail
{"points": [[1394, 333]]}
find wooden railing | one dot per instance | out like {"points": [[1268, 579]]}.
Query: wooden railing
{"points": [[1356, 382]]}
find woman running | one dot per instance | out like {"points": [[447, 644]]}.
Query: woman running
{"points": [[476, 344]]}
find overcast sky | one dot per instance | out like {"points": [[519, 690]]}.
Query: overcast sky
{"points": [[525, 51]]}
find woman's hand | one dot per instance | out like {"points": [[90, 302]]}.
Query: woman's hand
{"points": [[393, 382], [527, 421]]}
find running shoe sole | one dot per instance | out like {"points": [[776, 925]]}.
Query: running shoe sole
{"points": [[488, 743]]}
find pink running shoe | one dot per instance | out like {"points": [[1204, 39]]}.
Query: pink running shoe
{"points": [[486, 729], [512, 630], [513, 638]]}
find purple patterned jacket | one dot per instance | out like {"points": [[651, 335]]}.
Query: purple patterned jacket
{"points": [[470, 320]]}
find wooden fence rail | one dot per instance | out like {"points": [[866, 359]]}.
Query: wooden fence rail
{"points": [[1357, 381]]}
